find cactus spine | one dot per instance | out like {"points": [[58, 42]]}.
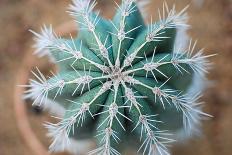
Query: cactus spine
{"points": [[118, 76]]}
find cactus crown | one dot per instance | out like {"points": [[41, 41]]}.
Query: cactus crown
{"points": [[118, 76]]}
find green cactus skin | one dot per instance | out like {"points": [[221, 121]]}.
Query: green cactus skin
{"points": [[120, 79]]}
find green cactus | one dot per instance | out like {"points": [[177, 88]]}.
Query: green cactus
{"points": [[121, 79]]}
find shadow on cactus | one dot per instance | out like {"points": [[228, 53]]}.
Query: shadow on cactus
{"points": [[122, 80]]}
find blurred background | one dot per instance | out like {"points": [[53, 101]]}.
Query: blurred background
{"points": [[211, 22]]}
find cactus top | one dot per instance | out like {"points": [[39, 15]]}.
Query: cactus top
{"points": [[118, 76]]}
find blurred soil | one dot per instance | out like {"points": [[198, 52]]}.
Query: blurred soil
{"points": [[211, 25]]}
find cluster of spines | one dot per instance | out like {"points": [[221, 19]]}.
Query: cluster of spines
{"points": [[155, 141]]}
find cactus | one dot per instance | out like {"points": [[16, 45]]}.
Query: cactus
{"points": [[121, 80]]}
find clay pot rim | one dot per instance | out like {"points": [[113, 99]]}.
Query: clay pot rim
{"points": [[21, 116]]}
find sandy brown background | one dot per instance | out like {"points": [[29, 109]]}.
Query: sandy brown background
{"points": [[211, 25]]}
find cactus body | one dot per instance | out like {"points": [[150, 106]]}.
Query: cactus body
{"points": [[120, 76]]}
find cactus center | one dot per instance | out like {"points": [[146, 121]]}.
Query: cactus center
{"points": [[116, 74]]}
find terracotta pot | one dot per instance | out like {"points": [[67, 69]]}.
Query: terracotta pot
{"points": [[23, 124]]}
